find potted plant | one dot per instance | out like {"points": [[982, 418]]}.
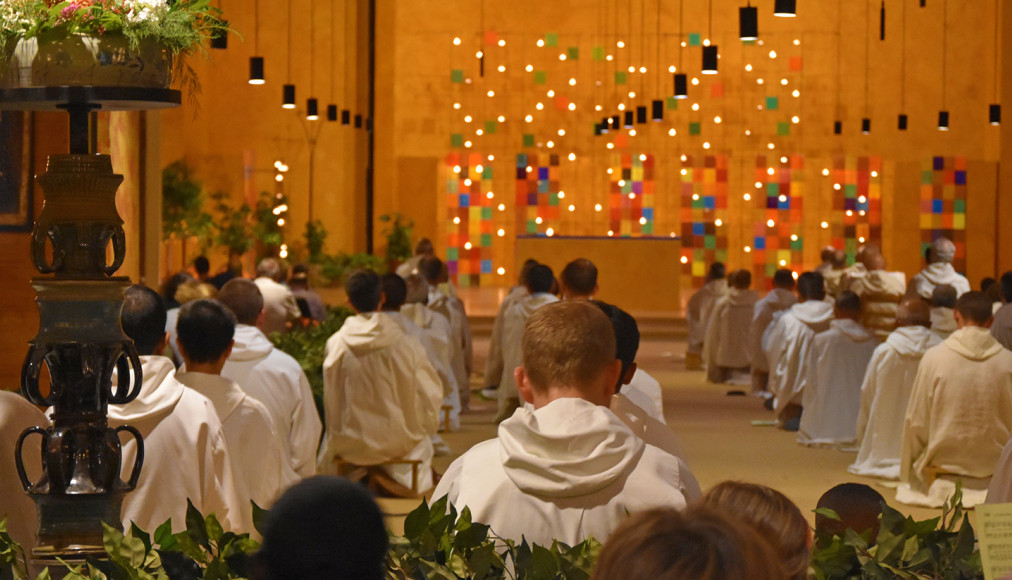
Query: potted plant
{"points": [[102, 42]]}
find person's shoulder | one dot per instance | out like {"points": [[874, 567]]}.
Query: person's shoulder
{"points": [[198, 409]]}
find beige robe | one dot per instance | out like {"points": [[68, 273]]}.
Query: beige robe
{"points": [[494, 362], [382, 399], [943, 322], [790, 339], [880, 293], [280, 306], [884, 397], [644, 391], [1001, 330], [958, 420], [186, 455], [697, 313], [924, 282], [832, 398], [726, 346], [432, 331], [16, 415], [513, 331], [259, 454], [275, 379], [460, 338], [775, 301]]}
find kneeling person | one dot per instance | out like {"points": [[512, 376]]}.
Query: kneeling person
{"points": [[550, 476]]}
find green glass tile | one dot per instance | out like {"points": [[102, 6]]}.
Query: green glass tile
{"points": [[710, 243], [457, 76], [671, 103], [486, 213], [748, 42], [452, 253], [551, 39], [771, 269], [772, 103], [773, 189], [783, 129], [456, 140], [452, 186], [532, 227], [528, 140], [927, 178], [698, 255], [597, 53], [619, 78], [695, 39], [486, 172], [959, 206], [695, 128], [540, 77], [464, 281], [573, 52], [553, 199], [797, 245], [721, 256], [648, 228], [490, 126], [697, 203], [486, 240], [850, 191]]}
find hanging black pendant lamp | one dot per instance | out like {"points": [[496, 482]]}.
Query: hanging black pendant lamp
{"points": [[288, 97], [902, 124], [628, 120], [616, 123], [710, 60], [312, 109], [681, 86], [785, 8], [219, 39], [748, 22], [256, 70], [346, 117], [657, 110], [943, 120], [865, 126], [837, 127], [641, 115], [994, 114], [332, 113]]}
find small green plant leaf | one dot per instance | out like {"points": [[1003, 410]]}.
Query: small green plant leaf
{"points": [[195, 526]]}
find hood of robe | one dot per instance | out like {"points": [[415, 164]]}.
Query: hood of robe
{"points": [[782, 298], [419, 314], [943, 319], [250, 344], [372, 331], [974, 343], [738, 297], [225, 394], [158, 396], [569, 447], [528, 304], [940, 273], [813, 312], [881, 282], [912, 341], [852, 329]]}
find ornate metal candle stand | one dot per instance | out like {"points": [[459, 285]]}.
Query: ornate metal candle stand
{"points": [[80, 339]]}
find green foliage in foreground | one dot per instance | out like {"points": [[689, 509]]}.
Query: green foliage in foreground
{"points": [[940, 548], [308, 347]]}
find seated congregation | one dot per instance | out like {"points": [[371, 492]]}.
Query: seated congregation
{"points": [[912, 377], [582, 447]]}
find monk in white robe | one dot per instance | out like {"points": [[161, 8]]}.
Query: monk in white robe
{"points": [[886, 391], [260, 457], [548, 477], [780, 298], [644, 391], [431, 330], [493, 359], [880, 292], [539, 283], [697, 313], [789, 340], [16, 415], [726, 347], [836, 368], [186, 454], [938, 271], [381, 394], [280, 306], [433, 270], [1001, 330], [836, 277], [272, 377], [960, 412]]}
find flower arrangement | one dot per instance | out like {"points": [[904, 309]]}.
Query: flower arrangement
{"points": [[179, 26]]}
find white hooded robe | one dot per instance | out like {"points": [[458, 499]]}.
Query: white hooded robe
{"points": [[644, 390], [776, 300], [943, 321], [958, 420], [697, 312], [460, 338], [790, 339], [280, 306], [936, 274], [186, 455], [493, 361], [275, 379], [832, 398], [1001, 329], [726, 345], [16, 415], [382, 399], [513, 331], [259, 455], [567, 471], [884, 397], [432, 331]]}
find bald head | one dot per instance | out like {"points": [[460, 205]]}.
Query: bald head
{"points": [[913, 311], [244, 299], [270, 268], [942, 250]]}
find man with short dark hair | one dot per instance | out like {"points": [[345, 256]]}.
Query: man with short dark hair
{"points": [[433, 270], [779, 298], [539, 285], [1001, 330], [205, 330], [578, 280], [787, 346], [381, 394], [202, 267], [280, 306], [697, 313], [569, 469], [186, 452], [960, 412], [836, 366], [943, 310], [271, 376]]}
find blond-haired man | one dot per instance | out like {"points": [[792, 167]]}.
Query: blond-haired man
{"points": [[569, 469]]}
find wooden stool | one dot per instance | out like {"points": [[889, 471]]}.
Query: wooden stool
{"points": [[446, 410], [377, 480]]}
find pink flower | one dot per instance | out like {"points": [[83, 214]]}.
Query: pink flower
{"points": [[68, 12]]}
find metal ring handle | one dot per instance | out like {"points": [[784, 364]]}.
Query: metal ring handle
{"points": [[128, 368], [138, 458], [118, 249], [39, 236], [30, 372], [19, 461]]}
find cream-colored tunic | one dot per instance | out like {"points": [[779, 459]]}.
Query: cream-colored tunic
{"points": [[727, 334]]}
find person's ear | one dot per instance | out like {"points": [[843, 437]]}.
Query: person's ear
{"points": [[261, 317], [611, 375], [228, 351], [629, 373], [960, 321], [523, 384], [161, 344]]}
